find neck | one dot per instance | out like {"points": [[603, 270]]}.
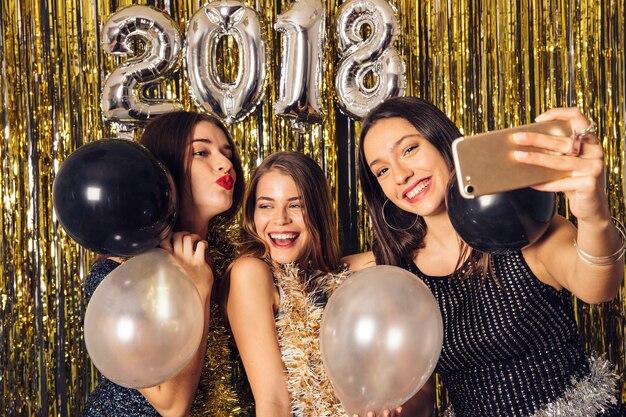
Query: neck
{"points": [[195, 224], [440, 232]]}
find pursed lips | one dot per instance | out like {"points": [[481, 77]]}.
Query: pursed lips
{"points": [[225, 182]]}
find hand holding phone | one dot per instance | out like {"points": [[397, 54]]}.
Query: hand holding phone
{"points": [[484, 162]]}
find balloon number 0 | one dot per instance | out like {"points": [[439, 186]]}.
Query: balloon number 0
{"points": [[303, 28]]}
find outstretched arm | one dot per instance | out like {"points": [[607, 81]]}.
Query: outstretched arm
{"points": [[586, 260]]}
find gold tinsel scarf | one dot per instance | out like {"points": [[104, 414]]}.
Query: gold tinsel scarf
{"points": [[298, 327]]}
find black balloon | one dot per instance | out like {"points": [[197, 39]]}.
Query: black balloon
{"points": [[114, 197], [502, 222]]}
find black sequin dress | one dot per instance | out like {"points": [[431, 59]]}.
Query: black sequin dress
{"points": [[110, 399], [511, 348]]}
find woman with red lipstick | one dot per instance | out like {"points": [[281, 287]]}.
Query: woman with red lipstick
{"points": [[276, 290], [511, 342], [200, 154]]}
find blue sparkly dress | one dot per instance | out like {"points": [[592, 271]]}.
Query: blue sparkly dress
{"points": [[511, 348], [110, 399]]}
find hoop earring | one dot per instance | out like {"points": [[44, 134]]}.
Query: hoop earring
{"points": [[396, 228]]}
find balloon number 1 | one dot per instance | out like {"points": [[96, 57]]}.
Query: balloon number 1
{"points": [[303, 28]]}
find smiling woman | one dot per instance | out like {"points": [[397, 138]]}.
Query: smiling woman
{"points": [[288, 220], [276, 290], [511, 339]]}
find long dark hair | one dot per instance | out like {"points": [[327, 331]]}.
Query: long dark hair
{"points": [[394, 247], [168, 137]]}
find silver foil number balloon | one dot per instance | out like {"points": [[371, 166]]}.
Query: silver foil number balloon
{"points": [[362, 56], [380, 339], [303, 27], [229, 101], [122, 99]]}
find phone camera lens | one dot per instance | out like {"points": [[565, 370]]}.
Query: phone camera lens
{"points": [[469, 189]]}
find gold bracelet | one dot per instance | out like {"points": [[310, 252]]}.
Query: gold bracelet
{"points": [[607, 259]]}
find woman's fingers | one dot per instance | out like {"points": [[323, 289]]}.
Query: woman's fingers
{"points": [[585, 147], [185, 244], [578, 166], [199, 254], [167, 244], [572, 114], [386, 413]]}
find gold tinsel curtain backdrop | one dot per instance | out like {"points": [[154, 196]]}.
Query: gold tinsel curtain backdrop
{"points": [[488, 64]]}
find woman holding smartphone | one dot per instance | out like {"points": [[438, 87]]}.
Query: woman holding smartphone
{"points": [[510, 338]]}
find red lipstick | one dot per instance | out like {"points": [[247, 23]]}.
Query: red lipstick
{"points": [[225, 182]]}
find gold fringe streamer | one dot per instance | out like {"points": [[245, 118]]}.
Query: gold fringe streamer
{"points": [[223, 390], [298, 327], [487, 64], [216, 396]]}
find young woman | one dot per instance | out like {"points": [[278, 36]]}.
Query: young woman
{"points": [[511, 343], [202, 158], [276, 290]]}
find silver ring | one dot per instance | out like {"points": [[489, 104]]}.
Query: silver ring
{"points": [[577, 138]]}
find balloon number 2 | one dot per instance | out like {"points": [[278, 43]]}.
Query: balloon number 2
{"points": [[303, 28]]}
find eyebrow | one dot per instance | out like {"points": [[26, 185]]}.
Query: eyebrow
{"points": [[271, 199], [227, 147], [395, 145]]}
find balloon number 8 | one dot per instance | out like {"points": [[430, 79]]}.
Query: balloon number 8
{"points": [[303, 28]]}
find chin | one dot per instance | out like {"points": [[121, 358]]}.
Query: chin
{"points": [[283, 259]]}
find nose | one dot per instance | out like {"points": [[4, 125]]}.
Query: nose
{"points": [[401, 173], [223, 164], [281, 216]]}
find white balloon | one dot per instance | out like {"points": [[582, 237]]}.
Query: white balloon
{"points": [[380, 338], [121, 95], [361, 57], [229, 101], [144, 322], [303, 26]]}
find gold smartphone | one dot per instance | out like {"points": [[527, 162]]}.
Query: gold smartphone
{"points": [[484, 163]]}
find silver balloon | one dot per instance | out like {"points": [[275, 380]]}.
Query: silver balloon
{"points": [[144, 322], [304, 27], [122, 99], [229, 101], [380, 339], [374, 55]]}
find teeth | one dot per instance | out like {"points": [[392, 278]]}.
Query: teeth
{"points": [[283, 235], [415, 191]]}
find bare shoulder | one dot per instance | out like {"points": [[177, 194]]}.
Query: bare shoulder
{"points": [[245, 263], [252, 295], [250, 272], [359, 261]]}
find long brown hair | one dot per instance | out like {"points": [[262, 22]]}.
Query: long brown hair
{"points": [[318, 213], [398, 247], [319, 216], [168, 137]]}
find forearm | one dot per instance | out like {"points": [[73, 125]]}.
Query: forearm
{"points": [[599, 269], [174, 397], [275, 408]]}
